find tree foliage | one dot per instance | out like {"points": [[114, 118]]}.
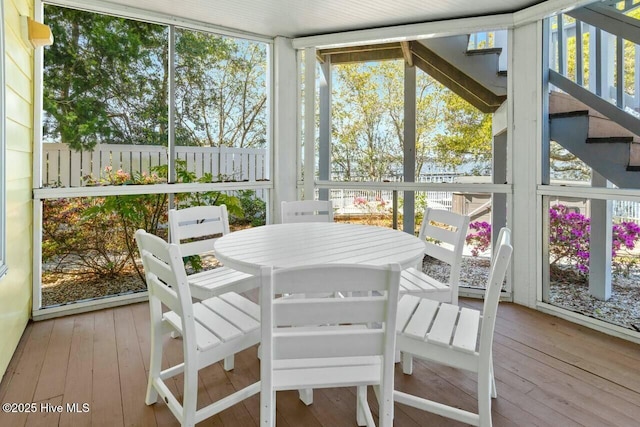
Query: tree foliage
{"points": [[467, 134], [106, 80], [368, 122]]}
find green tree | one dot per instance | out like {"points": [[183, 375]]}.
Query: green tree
{"points": [[220, 91], [362, 132], [467, 133], [105, 80]]}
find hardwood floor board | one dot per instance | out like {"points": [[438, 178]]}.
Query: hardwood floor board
{"points": [[218, 386], [559, 391], [79, 380], [133, 379], [453, 385], [622, 397], [54, 369], [572, 339], [140, 312], [106, 408], [533, 411], [334, 406], [549, 373], [27, 372], [45, 417], [618, 369], [430, 381], [13, 363], [247, 372]]}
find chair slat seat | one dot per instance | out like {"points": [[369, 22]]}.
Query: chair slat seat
{"points": [[444, 324], [414, 281], [232, 315], [205, 339], [467, 331], [210, 283], [456, 337], [420, 321], [212, 330]]}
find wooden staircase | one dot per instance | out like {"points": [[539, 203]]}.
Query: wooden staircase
{"points": [[472, 74], [607, 147]]}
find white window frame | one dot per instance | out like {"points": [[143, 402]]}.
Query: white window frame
{"points": [[3, 188]]}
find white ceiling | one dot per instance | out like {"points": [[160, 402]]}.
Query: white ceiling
{"points": [[297, 18]]}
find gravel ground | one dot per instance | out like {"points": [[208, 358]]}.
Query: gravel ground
{"points": [[567, 290]]}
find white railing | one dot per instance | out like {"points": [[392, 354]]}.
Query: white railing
{"points": [[597, 59], [63, 167]]}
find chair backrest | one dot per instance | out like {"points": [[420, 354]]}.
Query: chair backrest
{"points": [[307, 211], [166, 280], [444, 233], [290, 325], [201, 225], [497, 274]]}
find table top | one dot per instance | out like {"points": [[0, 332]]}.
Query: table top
{"points": [[291, 245]]}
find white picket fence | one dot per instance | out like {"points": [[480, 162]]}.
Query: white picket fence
{"points": [[63, 167]]}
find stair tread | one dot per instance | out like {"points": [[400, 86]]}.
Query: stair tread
{"points": [[487, 51], [569, 114], [609, 139]]}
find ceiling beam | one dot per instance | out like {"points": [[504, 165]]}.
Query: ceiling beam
{"points": [[406, 52]]}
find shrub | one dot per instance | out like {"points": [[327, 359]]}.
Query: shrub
{"points": [[569, 241], [73, 240], [254, 208], [479, 238]]}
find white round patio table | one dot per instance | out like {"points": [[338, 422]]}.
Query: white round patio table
{"points": [[291, 245]]}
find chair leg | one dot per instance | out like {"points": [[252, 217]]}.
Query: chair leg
{"points": [[155, 364], [267, 409], [484, 397], [229, 363], [361, 400], [306, 395], [407, 363], [190, 400], [494, 390]]}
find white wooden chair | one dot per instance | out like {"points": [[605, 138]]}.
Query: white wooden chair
{"points": [[211, 330], [196, 229], [299, 354], [458, 337], [444, 234], [307, 211]]}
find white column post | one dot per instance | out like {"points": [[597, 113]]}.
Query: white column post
{"points": [[324, 136], [309, 122], [285, 124], [408, 221], [600, 243], [525, 134]]}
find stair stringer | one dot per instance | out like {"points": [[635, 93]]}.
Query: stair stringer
{"points": [[608, 159], [483, 68]]}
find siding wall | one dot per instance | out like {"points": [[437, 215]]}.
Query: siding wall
{"points": [[15, 287]]}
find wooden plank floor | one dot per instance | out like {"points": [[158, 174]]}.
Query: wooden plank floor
{"points": [[549, 372]]}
